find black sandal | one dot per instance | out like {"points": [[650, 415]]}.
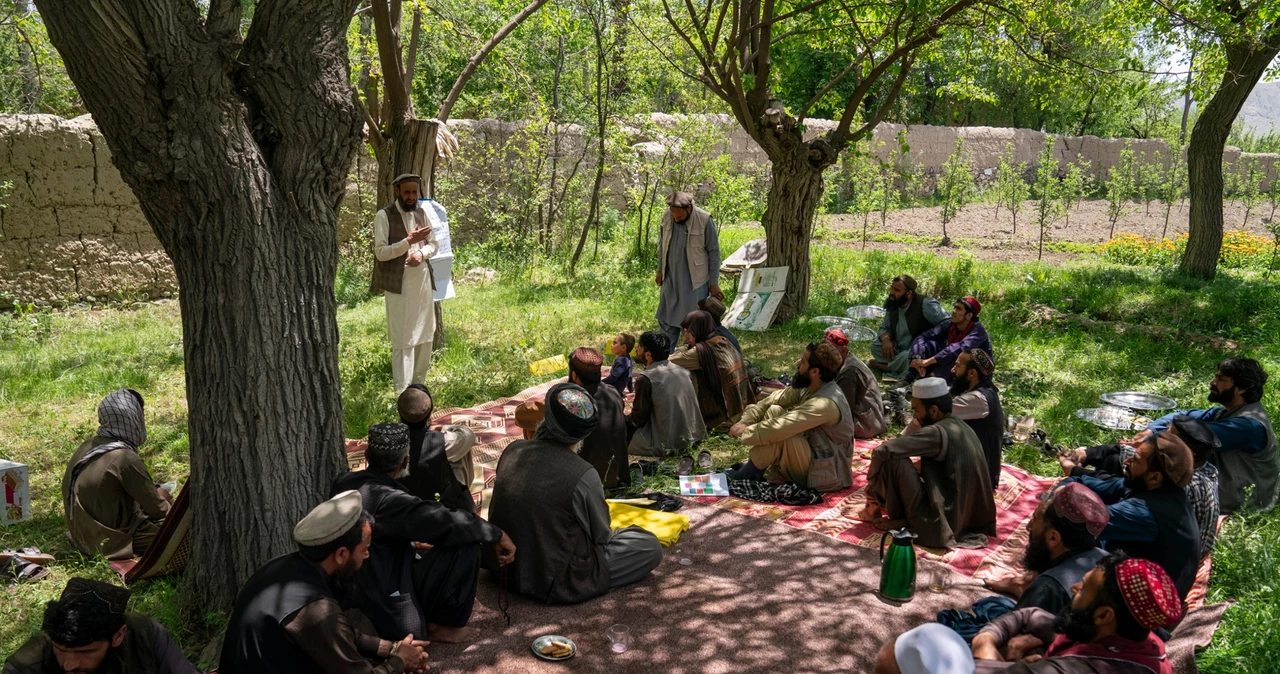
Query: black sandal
{"points": [[22, 569], [705, 461]]}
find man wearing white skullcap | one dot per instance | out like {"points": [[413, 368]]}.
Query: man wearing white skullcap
{"points": [[948, 502], [288, 616], [928, 649]]}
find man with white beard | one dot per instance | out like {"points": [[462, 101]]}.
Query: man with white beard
{"points": [[407, 592]]}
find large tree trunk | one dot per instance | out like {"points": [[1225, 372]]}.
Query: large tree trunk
{"points": [[788, 224], [238, 155], [1245, 66]]}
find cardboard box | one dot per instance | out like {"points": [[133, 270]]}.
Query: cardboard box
{"points": [[14, 484]]}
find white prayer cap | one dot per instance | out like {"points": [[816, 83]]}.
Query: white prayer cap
{"points": [[329, 520], [933, 648], [930, 387]]}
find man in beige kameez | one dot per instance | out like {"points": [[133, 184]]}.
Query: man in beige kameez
{"points": [[111, 503], [403, 244], [805, 430]]}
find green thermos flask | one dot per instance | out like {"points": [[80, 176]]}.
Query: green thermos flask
{"points": [[898, 566]]}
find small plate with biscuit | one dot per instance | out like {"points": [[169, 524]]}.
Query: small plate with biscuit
{"points": [[554, 647]]}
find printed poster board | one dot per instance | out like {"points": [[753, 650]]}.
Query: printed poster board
{"points": [[442, 261], [759, 293]]}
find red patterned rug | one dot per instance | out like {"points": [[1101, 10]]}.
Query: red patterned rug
{"points": [[1016, 497]]}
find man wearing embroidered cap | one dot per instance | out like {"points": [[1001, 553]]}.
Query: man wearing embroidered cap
{"points": [[948, 502], [606, 447], [1151, 516], [805, 431], [403, 245], [289, 618], [406, 592], [551, 502], [88, 630], [1063, 547], [688, 262], [1107, 461], [860, 388], [934, 353], [1106, 629]]}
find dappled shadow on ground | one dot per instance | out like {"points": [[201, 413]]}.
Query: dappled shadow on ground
{"points": [[758, 597]]}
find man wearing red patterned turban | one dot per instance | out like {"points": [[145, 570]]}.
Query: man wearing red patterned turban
{"points": [[1107, 628]]}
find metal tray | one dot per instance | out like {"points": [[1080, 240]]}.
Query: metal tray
{"points": [[1117, 418], [864, 312], [1137, 400], [856, 333]]}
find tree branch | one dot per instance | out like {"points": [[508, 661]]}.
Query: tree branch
{"points": [[393, 87], [414, 36], [475, 61], [223, 22], [904, 48]]}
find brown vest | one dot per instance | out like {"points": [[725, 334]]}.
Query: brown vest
{"points": [[387, 276]]}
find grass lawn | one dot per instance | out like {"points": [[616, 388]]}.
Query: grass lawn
{"points": [[55, 367]]}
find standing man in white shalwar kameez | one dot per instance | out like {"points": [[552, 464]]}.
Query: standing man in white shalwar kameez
{"points": [[403, 244]]}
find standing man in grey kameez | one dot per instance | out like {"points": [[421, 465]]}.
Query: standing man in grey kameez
{"points": [[689, 262]]}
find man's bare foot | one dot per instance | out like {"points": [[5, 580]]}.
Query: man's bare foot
{"points": [[451, 635], [1013, 586], [867, 513]]}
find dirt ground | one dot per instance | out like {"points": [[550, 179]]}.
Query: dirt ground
{"points": [[979, 230]]}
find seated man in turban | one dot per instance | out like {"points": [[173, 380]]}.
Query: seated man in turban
{"points": [[551, 502], [1063, 547], [1151, 517], [88, 630], [805, 430], [441, 466], [719, 373], [289, 615], [606, 447], [430, 592], [1107, 627], [935, 351], [716, 308], [860, 388], [1107, 461], [948, 502], [111, 503]]}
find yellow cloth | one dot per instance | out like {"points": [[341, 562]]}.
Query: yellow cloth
{"points": [[666, 526]]}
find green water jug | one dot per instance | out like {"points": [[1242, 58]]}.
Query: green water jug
{"points": [[898, 566]]}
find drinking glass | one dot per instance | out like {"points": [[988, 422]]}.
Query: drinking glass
{"points": [[619, 638], [939, 580]]}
